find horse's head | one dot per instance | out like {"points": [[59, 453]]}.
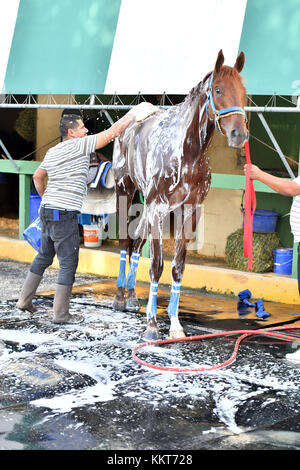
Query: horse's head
{"points": [[226, 100]]}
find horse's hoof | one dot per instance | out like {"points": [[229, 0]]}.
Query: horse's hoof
{"points": [[176, 334], [151, 334], [132, 304], [119, 305]]}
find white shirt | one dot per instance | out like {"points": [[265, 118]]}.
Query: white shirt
{"points": [[295, 215], [67, 165]]}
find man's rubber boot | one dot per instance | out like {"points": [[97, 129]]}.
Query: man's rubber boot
{"points": [[61, 306], [29, 288]]}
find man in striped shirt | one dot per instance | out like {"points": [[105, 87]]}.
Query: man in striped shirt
{"points": [[289, 188], [66, 166]]}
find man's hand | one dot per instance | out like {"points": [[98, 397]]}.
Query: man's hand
{"points": [[143, 110], [255, 172], [139, 112], [282, 186]]}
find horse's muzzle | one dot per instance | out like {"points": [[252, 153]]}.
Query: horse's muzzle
{"points": [[237, 138]]}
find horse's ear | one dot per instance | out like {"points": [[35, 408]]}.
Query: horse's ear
{"points": [[220, 61], [240, 61]]}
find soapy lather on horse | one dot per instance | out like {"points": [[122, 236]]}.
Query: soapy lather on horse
{"points": [[165, 157]]}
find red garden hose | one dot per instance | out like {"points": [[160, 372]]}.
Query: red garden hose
{"points": [[244, 333]]}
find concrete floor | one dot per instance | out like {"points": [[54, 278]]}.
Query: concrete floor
{"points": [[204, 275], [78, 387]]}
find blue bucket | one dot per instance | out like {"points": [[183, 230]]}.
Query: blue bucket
{"points": [[33, 234], [283, 260], [264, 221], [35, 201]]}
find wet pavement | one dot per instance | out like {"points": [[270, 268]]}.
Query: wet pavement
{"points": [[77, 387]]}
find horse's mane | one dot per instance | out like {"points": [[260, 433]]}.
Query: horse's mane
{"points": [[197, 90]]}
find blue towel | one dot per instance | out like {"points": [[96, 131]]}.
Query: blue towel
{"points": [[244, 297]]}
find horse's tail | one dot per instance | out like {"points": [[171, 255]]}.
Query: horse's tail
{"points": [[130, 248], [135, 199]]}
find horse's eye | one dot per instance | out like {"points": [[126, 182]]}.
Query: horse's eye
{"points": [[218, 90]]}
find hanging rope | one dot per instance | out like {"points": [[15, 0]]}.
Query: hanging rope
{"points": [[250, 206]]}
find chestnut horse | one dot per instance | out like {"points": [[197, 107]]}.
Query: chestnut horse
{"points": [[165, 158]]}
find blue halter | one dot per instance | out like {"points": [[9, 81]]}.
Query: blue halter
{"points": [[219, 113]]}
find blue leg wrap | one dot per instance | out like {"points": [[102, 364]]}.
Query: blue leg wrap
{"points": [[121, 281], [131, 277], [174, 299], [152, 301]]}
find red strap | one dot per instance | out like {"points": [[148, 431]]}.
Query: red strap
{"points": [[250, 206]]}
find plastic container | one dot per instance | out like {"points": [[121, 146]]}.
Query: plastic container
{"points": [[92, 235], [283, 260], [3, 178], [84, 219], [32, 234], [35, 202], [264, 221], [87, 219]]}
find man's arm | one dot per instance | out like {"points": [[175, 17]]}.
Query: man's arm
{"points": [[138, 113], [107, 136], [280, 185], [39, 179]]}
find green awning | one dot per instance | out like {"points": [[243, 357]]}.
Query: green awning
{"points": [[270, 39], [147, 46], [61, 46]]}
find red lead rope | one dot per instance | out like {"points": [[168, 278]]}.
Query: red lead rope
{"points": [[250, 206]]}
